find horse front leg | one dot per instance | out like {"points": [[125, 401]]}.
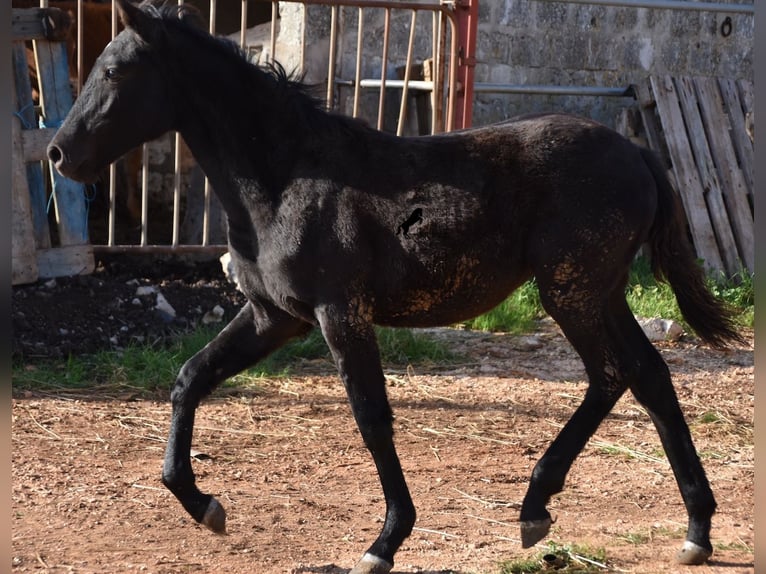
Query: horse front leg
{"points": [[257, 330], [352, 341]]}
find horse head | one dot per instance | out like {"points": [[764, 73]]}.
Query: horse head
{"points": [[126, 99]]}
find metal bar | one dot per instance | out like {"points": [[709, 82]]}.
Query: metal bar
{"points": [[485, 88], [407, 74], [274, 15], [207, 189], [384, 68], [243, 25], [668, 5], [452, 72], [216, 249], [331, 63], [112, 167], [467, 18], [358, 70], [144, 194], [422, 85], [80, 24]]}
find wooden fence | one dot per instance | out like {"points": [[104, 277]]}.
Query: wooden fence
{"points": [[38, 250], [703, 127]]}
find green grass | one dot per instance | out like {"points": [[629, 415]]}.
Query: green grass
{"points": [[152, 367], [646, 296], [564, 559], [517, 314]]}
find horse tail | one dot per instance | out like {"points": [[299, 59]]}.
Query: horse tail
{"points": [[673, 260]]}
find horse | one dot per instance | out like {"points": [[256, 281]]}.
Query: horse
{"points": [[337, 226]]}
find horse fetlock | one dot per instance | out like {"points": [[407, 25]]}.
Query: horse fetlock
{"points": [[693, 554], [533, 531], [215, 517], [371, 564]]}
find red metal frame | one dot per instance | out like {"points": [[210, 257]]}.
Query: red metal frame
{"points": [[467, 17]]}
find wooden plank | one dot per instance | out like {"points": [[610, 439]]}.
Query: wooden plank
{"points": [[23, 256], [737, 108], [56, 100], [26, 113], [34, 144], [51, 24], [711, 184], [65, 261], [647, 107], [687, 176], [733, 186]]}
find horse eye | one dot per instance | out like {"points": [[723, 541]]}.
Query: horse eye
{"points": [[111, 73]]}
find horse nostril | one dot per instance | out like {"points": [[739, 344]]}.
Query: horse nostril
{"points": [[54, 153]]}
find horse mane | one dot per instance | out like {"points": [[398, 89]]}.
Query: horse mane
{"points": [[287, 86]]}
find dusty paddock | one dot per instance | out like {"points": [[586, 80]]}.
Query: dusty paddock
{"points": [[301, 492]]}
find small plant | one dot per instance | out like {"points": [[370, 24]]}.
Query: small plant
{"points": [[149, 367], [564, 559], [517, 314]]}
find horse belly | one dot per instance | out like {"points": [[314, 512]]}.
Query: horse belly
{"points": [[453, 298]]}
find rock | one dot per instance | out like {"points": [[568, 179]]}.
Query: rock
{"points": [[213, 316], [164, 308], [657, 329], [144, 290], [50, 284]]}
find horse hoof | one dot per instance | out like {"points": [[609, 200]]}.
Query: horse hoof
{"points": [[215, 517], [692, 554], [533, 531], [370, 564]]}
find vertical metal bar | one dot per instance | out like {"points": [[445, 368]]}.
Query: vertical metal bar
{"points": [[384, 68], [80, 25], [436, 49], [243, 24], [112, 167], [407, 74], [206, 210], [274, 15], [331, 63], [468, 16], [144, 194], [303, 37], [358, 71], [452, 85], [177, 181]]}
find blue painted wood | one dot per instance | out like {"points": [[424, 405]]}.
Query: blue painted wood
{"points": [[35, 179], [56, 100]]}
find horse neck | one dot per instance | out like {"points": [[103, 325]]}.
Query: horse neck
{"points": [[237, 129]]}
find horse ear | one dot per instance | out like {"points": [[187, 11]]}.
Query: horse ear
{"points": [[190, 14], [132, 16]]}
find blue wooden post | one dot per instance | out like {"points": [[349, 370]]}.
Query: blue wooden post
{"points": [[56, 100], [26, 115]]}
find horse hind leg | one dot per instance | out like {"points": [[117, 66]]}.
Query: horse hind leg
{"points": [[653, 388], [587, 323]]}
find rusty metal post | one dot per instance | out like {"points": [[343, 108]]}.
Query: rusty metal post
{"points": [[467, 17]]}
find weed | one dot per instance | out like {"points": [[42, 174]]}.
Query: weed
{"points": [[564, 559]]}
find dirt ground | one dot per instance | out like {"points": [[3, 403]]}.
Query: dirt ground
{"points": [[300, 490]]}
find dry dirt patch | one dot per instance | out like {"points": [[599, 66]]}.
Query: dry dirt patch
{"points": [[301, 492]]}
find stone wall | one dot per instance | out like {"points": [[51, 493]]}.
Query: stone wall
{"points": [[554, 43], [542, 42]]}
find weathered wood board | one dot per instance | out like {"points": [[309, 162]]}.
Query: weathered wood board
{"points": [[33, 256], [700, 127]]}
